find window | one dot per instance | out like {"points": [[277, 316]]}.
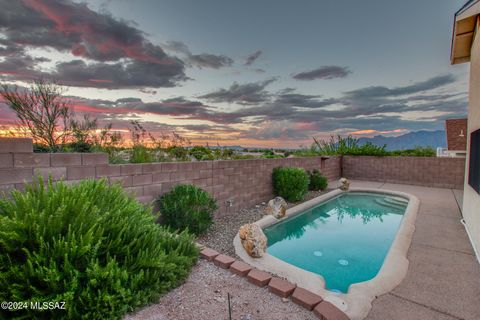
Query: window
{"points": [[474, 169]]}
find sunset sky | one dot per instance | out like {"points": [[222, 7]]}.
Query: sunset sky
{"points": [[264, 73]]}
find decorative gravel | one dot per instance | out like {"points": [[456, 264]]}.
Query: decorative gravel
{"points": [[221, 234], [204, 297]]}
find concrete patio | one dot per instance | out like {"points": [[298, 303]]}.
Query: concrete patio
{"points": [[443, 280]]}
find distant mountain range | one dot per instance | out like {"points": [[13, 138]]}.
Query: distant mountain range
{"points": [[410, 140]]}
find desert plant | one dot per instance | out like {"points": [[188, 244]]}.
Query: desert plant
{"points": [[42, 110], [317, 181], [178, 153], [347, 146], [89, 245], [202, 153], [416, 152], [290, 183], [141, 154], [187, 207]]}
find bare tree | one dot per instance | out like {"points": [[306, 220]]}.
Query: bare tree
{"points": [[42, 110]]}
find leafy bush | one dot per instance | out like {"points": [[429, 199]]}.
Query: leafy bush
{"points": [[141, 154], [78, 146], [178, 153], [351, 146], [290, 183], [89, 245], [347, 146], [416, 152], [317, 180], [201, 153], [187, 207]]}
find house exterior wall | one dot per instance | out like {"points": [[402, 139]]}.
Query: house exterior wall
{"points": [[453, 129], [471, 199]]}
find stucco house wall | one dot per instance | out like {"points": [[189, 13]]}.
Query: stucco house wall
{"points": [[471, 199]]}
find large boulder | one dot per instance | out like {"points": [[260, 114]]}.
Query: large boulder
{"points": [[277, 207], [253, 240], [344, 184]]}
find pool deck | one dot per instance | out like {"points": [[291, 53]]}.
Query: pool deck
{"points": [[443, 279]]}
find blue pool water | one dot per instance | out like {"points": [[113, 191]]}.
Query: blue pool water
{"points": [[345, 239]]}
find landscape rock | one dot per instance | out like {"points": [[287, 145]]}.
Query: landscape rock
{"points": [[253, 240], [277, 207], [344, 184]]}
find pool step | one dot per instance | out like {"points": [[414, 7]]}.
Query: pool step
{"points": [[384, 203], [394, 201], [398, 200]]}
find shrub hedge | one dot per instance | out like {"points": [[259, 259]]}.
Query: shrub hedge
{"points": [[89, 245], [187, 207], [290, 183], [317, 181]]}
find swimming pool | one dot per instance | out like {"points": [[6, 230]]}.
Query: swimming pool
{"points": [[348, 247], [345, 239]]}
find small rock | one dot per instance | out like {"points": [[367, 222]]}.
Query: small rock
{"points": [[247, 316], [277, 207], [285, 300], [253, 240], [344, 184], [219, 299]]}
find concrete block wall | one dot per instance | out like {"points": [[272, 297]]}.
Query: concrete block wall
{"points": [[235, 184], [423, 171]]}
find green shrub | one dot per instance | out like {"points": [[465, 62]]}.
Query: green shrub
{"points": [[290, 183], [416, 152], [187, 207], [317, 180], [347, 146], [78, 146], [141, 154], [89, 245], [178, 153], [201, 153]]}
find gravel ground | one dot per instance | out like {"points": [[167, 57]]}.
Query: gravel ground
{"points": [[220, 236], [204, 297]]}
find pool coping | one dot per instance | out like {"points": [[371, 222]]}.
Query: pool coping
{"points": [[358, 301]]}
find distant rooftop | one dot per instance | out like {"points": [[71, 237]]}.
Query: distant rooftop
{"points": [[456, 130]]}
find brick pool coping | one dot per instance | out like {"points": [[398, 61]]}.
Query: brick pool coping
{"points": [[324, 310], [358, 301]]}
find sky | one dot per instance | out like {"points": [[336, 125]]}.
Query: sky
{"points": [[270, 73]]}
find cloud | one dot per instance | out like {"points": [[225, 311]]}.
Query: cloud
{"points": [[380, 92], [288, 115], [372, 132], [247, 93], [325, 72], [252, 58], [70, 26], [206, 60], [132, 74], [203, 60], [111, 53]]}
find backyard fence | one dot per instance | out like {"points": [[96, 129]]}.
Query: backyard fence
{"points": [[236, 184], [422, 171]]}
